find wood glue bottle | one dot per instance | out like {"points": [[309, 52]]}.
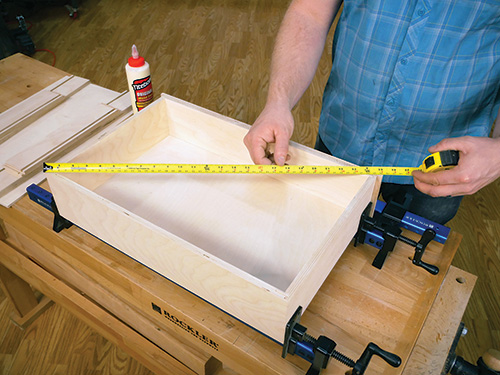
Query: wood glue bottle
{"points": [[139, 81]]}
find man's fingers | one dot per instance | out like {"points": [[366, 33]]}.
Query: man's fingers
{"points": [[259, 155], [440, 190], [440, 184], [449, 177], [461, 144], [258, 151], [281, 150]]}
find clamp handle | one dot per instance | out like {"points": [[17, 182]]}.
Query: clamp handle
{"points": [[433, 270], [371, 350], [427, 237]]}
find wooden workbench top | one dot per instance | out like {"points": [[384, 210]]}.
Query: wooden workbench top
{"points": [[22, 76]]}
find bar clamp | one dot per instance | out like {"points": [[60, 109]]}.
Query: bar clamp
{"points": [[319, 351]]}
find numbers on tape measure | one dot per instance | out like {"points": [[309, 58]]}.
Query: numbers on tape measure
{"points": [[435, 162], [221, 168]]}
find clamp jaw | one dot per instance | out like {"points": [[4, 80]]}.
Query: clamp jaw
{"points": [[46, 200], [383, 230], [319, 351]]}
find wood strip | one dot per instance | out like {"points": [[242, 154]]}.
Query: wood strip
{"points": [[29, 105], [7, 179], [12, 188], [70, 87], [21, 116], [27, 160], [57, 83], [36, 106], [24, 152], [121, 102], [56, 131], [24, 109], [110, 328]]}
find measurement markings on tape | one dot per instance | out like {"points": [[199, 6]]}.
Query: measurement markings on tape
{"points": [[435, 162]]}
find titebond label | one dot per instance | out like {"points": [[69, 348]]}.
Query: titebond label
{"points": [[143, 90]]}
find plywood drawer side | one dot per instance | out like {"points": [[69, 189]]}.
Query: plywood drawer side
{"points": [[255, 246]]}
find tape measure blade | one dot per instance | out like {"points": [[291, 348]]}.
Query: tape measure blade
{"points": [[222, 168]]}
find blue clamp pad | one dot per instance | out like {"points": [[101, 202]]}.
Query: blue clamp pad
{"points": [[46, 200], [40, 196]]}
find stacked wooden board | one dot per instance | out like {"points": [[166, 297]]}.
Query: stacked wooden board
{"points": [[48, 125]]}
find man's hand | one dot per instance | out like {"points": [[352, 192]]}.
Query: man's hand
{"points": [[479, 165], [274, 125]]}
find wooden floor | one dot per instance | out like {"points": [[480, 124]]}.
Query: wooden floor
{"points": [[214, 53]]}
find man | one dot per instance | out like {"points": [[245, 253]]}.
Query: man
{"points": [[408, 78]]}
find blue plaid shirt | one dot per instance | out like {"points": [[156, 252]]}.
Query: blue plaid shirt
{"points": [[407, 74]]}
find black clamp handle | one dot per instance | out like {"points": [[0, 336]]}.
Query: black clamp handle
{"points": [[371, 350], [427, 237]]}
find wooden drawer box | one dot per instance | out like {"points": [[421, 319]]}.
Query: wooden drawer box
{"points": [[256, 246]]}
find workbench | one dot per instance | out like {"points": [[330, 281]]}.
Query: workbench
{"points": [[171, 331]]}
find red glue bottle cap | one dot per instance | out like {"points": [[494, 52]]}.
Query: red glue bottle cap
{"points": [[136, 61]]}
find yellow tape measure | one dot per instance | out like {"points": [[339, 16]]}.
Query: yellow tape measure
{"points": [[437, 161]]}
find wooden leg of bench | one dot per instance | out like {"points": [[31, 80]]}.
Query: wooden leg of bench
{"points": [[18, 291], [24, 321], [27, 307]]}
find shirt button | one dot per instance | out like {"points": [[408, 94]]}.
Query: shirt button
{"points": [[390, 102], [421, 12], [404, 61]]}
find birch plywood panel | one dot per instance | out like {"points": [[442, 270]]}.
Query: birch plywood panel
{"points": [[56, 129], [23, 114], [17, 117], [255, 246]]}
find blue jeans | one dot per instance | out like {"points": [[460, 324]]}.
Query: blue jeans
{"points": [[439, 210]]}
